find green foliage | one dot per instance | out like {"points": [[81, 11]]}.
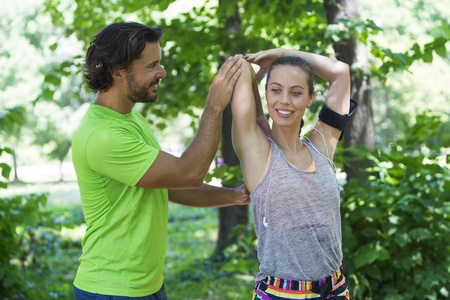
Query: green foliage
{"points": [[352, 28], [390, 61], [402, 61], [29, 241], [396, 234], [51, 135], [37, 262], [228, 175], [34, 70], [5, 169], [15, 212], [49, 258], [12, 118], [240, 255]]}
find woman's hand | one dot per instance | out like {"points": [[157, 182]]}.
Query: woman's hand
{"points": [[264, 59]]}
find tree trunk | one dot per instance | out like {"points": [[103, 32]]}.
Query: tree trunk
{"points": [[231, 216], [360, 131]]}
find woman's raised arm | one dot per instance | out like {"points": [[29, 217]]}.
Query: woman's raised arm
{"points": [[249, 140]]}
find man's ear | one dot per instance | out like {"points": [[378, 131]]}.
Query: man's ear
{"points": [[119, 74]]}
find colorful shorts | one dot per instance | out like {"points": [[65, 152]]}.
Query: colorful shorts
{"points": [[272, 288]]}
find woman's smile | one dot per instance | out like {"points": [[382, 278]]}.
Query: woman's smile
{"points": [[284, 113]]}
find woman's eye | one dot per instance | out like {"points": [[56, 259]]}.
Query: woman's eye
{"points": [[275, 90]]}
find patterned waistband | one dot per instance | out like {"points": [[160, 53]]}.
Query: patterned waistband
{"points": [[331, 281]]}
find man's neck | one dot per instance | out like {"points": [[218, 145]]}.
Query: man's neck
{"points": [[114, 101]]}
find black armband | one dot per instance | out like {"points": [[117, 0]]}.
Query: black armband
{"points": [[336, 120]]}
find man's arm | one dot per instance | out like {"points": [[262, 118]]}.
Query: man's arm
{"points": [[189, 170], [210, 196]]}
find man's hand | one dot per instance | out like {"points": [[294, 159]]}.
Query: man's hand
{"points": [[224, 81], [242, 195]]}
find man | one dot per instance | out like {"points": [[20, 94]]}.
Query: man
{"points": [[124, 177]]}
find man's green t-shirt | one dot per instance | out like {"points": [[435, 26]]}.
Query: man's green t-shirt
{"points": [[126, 236]]}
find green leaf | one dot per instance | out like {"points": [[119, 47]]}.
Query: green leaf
{"points": [[368, 254], [420, 234], [427, 56], [9, 280], [402, 239], [372, 212], [6, 170], [441, 51], [53, 46]]}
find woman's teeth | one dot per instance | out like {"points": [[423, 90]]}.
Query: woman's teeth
{"points": [[284, 112]]}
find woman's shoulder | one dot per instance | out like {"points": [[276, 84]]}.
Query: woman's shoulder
{"points": [[320, 154]]}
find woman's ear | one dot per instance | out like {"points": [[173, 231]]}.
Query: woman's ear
{"points": [[311, 98]]}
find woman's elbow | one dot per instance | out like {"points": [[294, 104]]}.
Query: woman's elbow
{"points": [[342, 69]]}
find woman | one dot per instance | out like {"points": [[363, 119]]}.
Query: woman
{"points": [[294, 192]]}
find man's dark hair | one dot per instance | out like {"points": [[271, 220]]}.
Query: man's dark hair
{"points": [[116, 47]]}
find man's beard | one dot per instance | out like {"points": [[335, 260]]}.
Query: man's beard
{"points": [[139, 93]]}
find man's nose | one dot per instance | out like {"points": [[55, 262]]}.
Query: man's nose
{"points": [[161, 73]]}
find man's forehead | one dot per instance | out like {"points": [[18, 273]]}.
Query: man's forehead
{"points": [[151, 52]]}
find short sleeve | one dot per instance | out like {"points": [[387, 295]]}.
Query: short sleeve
{"points": [[118, 154]]}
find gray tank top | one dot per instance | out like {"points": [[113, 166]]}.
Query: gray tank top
{"points": [[297, 219]]}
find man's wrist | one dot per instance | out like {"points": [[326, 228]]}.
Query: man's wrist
{"points": [[213, 109]]}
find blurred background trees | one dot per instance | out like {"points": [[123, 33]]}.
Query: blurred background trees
{"points": [[396, 147]]}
